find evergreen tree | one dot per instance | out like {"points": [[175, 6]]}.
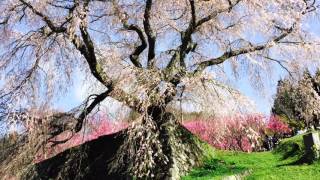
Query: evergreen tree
{"points": [[284, 104]]}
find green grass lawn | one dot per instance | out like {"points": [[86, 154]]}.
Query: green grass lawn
{"points": [[279, 164]]}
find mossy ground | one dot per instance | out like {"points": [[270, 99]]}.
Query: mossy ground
{"points": [[282, 163]]}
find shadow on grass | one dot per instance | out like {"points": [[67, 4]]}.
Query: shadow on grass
{"points": [[292, 151], [216, 167], [302, 160], [289, 150]]}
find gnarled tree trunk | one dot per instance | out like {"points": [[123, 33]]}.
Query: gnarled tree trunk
{"points": [[158, 147]]}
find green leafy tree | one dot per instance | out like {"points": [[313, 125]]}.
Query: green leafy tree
{"points": [[284, 104], [298, 104]]}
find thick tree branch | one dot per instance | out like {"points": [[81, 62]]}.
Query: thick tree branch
{"points": [[86, 47], [134, 57], [186, 41], [60, 124], [186, 36], [123, 16], [150, 34], [245, 50], [98, 72]]}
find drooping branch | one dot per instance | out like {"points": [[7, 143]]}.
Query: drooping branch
{"points": [[232, 53], [85, 46], [280, 63], [28, 76], [74, 124], [87, 110], [21, 46]]}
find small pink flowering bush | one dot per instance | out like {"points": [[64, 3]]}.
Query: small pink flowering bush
{"points": [[276, 127]]}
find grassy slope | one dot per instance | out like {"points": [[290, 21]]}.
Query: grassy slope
{"points": [[278, 164]]}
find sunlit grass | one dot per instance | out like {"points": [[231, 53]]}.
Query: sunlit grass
{"points": [[279, 164]]}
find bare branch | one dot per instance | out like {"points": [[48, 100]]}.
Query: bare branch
{"points": [[280, 63], [186, 39], [85, 47], [123, 16]]}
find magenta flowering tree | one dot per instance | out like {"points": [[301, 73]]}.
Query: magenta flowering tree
{"points": [[277, 127], [245, 133]]}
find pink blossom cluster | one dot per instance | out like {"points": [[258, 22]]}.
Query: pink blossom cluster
{"points": [[276, 126], [240, 133]]}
